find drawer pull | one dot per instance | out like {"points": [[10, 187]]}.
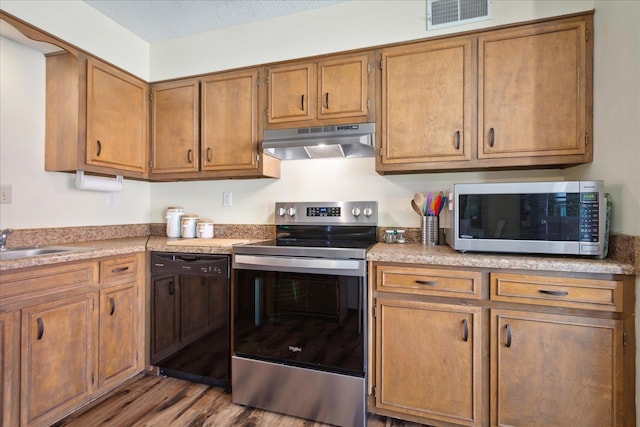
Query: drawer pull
{"points": [[190, 155], [492, 137], [302, 102], [40, 328], [427, 282], [457, 140], [113, 306], [119, 269], [326, 100], [508, 328], [99, 148], [554, 293], [172, 288], [465, 330]]}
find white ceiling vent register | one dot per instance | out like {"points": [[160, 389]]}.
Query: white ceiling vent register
{"points": [[447, 13]]}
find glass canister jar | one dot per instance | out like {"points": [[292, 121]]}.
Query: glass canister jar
{"points": [[189, 223], [174, 218], [205, 229]]}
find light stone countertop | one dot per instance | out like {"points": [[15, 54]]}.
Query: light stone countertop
{"points": [[402, 253], [416, 253]]}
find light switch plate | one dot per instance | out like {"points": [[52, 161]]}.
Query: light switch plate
{"points": [[5, 193], [226, 199]]}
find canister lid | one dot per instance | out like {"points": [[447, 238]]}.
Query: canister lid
{"points": [[205, 221], [189, 217], [175, 209]]}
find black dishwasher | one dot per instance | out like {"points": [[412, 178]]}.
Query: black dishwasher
{"points": [[190, 316]]}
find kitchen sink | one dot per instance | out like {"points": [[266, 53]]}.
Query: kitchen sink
{"points": [[30, 251]]}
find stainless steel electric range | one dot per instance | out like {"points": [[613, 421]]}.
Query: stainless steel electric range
{"points": [[299, 313]]}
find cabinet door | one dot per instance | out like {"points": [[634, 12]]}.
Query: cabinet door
{"points": [[230, 121], [291, 93], [118, 334], [9, 368], [342, 87], [165, 316], [175, 112], [555, 370], [532, 89], [428, 359], [116, 119], [58, 357], [427, 102]]}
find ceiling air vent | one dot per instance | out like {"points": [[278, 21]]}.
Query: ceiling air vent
{"points": [[447, 13]]}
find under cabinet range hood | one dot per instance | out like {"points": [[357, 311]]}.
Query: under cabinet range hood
{"points": [[335, 141]]}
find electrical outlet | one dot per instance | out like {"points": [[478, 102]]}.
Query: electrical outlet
{"points": [[226, 199], [5, 193]]}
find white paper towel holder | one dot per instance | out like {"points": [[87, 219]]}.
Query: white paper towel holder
{"points": [[98, 183]]}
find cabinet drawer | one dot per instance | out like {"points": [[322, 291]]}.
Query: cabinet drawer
{"points": [[428, 281], [118, 270], [47, 279], [591, 294]]}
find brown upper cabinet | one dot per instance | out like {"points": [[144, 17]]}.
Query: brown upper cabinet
{"points": [[96, 118], [427, 94], [208, 128], [328, 91], [514, 97]]}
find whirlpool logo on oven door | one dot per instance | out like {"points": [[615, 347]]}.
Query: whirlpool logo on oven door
{"points": [[295, 349]]}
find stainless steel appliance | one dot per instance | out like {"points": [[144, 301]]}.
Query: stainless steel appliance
{"points": [[299, 313], [562, 217], [348, 140], [190, 336]]}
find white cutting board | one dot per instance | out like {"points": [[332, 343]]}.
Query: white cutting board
{"points": [[206, 242]]}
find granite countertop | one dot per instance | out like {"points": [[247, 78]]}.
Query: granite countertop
{"points": [[103, 248], [444, 255], [401, 253]]}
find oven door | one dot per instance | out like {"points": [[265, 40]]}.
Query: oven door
{"points": [[304, 312]]}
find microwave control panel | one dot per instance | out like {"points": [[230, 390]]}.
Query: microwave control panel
{"points": [[589, 217]]}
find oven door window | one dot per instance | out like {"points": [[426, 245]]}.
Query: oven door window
{"points": [[306, 320]]}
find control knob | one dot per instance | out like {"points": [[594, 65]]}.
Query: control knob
{"points": [[282, 211], [367, 212], [291, 211], [355, 212]]}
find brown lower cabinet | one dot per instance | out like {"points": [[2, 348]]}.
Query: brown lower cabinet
{"points": [[452, 347], [69, 333]]}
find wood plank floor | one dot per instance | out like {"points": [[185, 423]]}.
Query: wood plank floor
{"points": [[169, 402]]}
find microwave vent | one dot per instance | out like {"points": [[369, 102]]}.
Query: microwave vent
{"points": [[447, 13]]}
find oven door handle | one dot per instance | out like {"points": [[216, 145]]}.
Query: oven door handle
{"points": [[297, 262]]}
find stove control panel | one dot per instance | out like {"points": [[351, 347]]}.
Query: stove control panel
{"points": [[327, 213]]}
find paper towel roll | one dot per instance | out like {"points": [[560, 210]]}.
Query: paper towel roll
{"points": [[97, 183]]}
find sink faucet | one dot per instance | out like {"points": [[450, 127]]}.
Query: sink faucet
{"points": [[3, 238]]}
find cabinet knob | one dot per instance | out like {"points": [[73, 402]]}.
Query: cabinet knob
{"points": [[40, 328]]}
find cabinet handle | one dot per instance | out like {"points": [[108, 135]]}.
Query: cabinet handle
{"points": [[113, 306], [492, 137], [172, 288], [190, 156], [457, 140], [40, 328], [508, 328], [99, 148], [465, 330], [427, 282], [208, 154], [302, 102], [119, 269], [326, 100], [554, 293]]}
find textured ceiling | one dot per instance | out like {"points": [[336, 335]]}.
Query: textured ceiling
{"points": [[156, 20]]}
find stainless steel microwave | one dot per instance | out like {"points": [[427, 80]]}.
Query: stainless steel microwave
{"points": [[562, 217]]}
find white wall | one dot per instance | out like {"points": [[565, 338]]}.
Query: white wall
{"points": [[47, 199]]}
